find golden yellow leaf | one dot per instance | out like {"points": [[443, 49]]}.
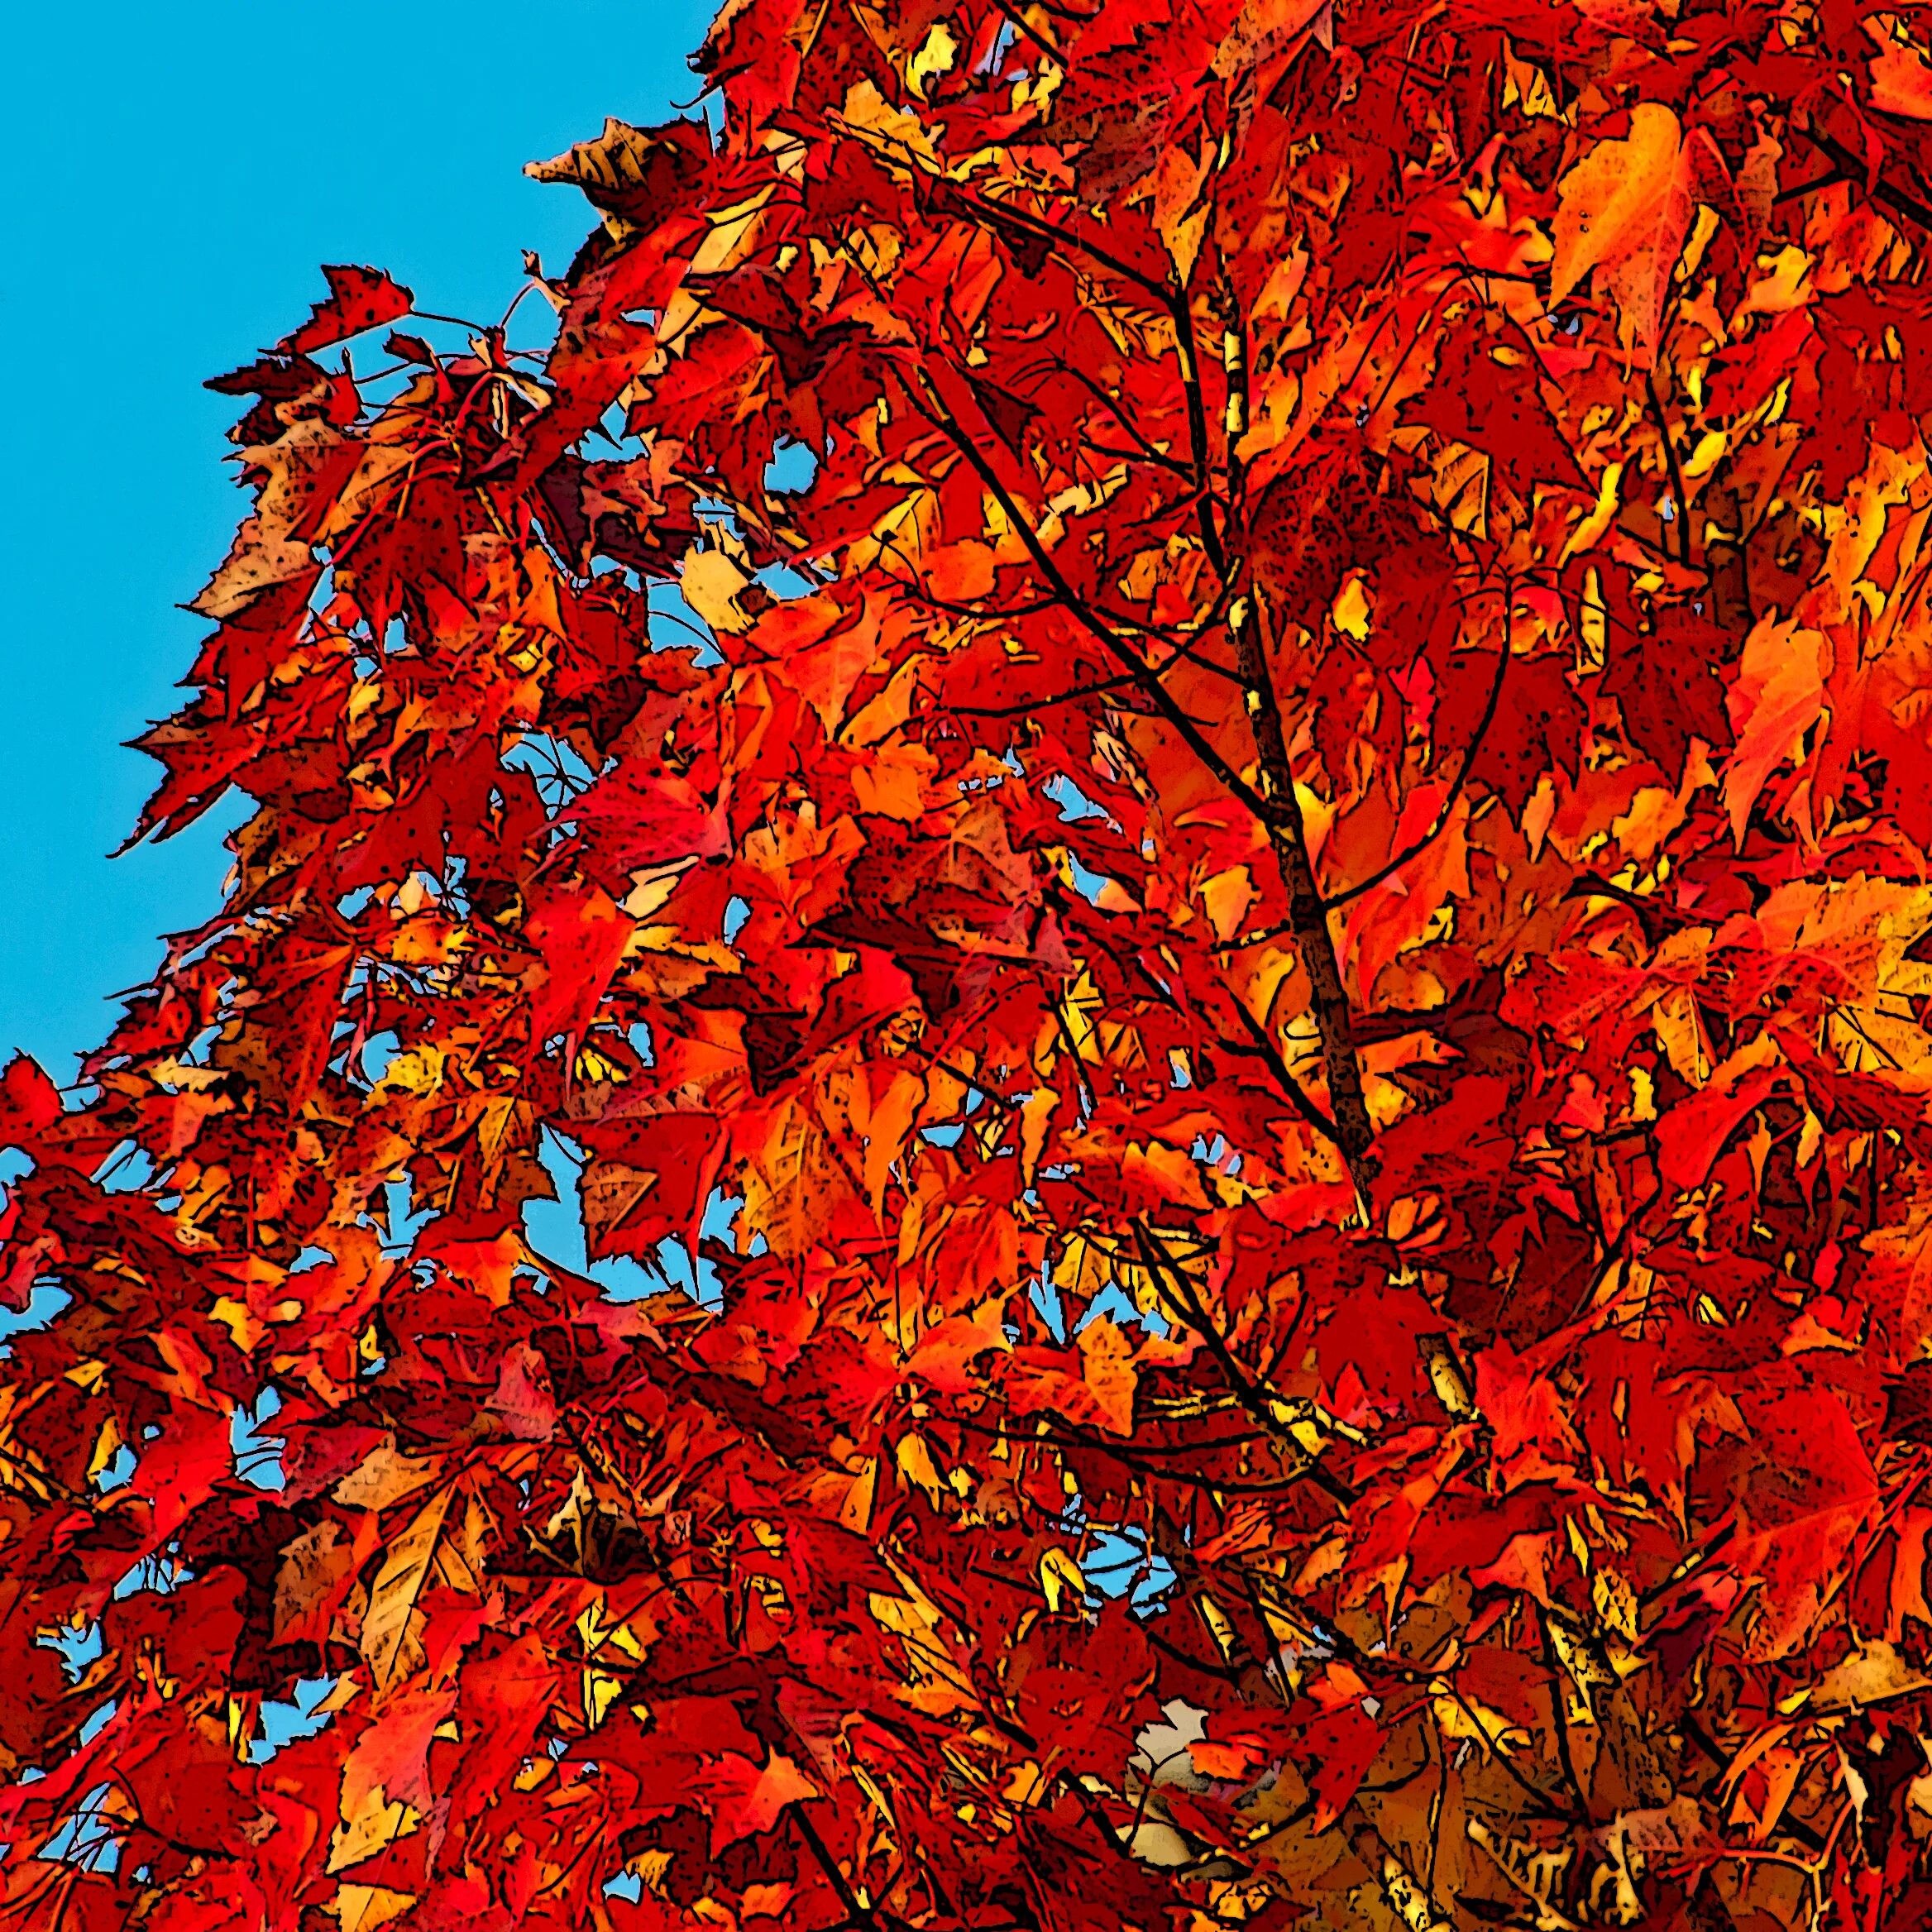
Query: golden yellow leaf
{"points": [[1060, 1575], [390, 1645], [1626, 208]]}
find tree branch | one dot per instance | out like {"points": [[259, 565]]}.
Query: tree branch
{"points": [[858, 1913], [1188, 356], [1154, 1254], [1307, 914], [1677, 497], [1033, 705], [1297, 1094], [1116, 647], [1908, 205]]}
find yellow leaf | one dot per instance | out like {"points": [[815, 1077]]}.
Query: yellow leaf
{"points": [[1625, 208], [418, 1069], [1679, 1028], [1077, 1011], [107, 1447], [600, 1690], [1060, 1575], [1226, 898], [1459, 1716], [1589, 532], [372, 1826], [1106, 1366], [916, 1464], [890, 131], [240, 1323], [362, 1908], [1778, 697], [712, 585], [934, 57], [390, 1645], [1352, 612], [855, 1512]]}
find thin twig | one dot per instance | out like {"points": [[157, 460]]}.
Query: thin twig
{"points": [[1679, 500], [1116, 647], [1289, 834], [1297, 1093]]}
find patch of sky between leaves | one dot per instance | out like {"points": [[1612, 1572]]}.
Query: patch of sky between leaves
{"points": [[556, 1230], [1119, 1560], [1074, 806], [1119, 1563], [78, 1645], [257, 1450], [286, 1720], [1073, 803], [947, 1133], [1112, 1302], [677, 626], [1087, 883], [126, 1170], [791, 470], [43, 1305], [560, 773], [161, 1573], [87, 1839]]}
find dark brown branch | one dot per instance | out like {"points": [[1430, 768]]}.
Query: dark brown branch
{"points": [[1414, 849], [1150, 1468], [1908, 205], [1153, 1252], [1116, 647], [1678, 499], [1114, 408], [857, 1914], [1135, 455], [996, 214], [1190, 365], [1798, 189], [1297, 1094], [1308, 914], [1032, 704], [1238, 395]]}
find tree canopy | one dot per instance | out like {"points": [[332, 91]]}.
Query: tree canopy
{"points": [[1178, 760]]}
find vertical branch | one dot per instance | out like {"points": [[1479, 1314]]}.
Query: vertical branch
{"points": [[1677, 469], [1190, 367], [1234, 353], [1307, 914]]}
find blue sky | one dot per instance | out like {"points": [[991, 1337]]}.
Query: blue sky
{"points": [[174, 177]]}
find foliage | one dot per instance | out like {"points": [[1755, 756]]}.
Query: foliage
{"points": [[1185, 750]]}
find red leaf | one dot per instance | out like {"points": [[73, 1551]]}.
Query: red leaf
{"points": [[359, 298]]}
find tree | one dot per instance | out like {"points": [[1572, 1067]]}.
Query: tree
{"points": [[1189, 748]]}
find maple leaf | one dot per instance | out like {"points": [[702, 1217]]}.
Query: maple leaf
{"points": [[359, 298], [1626, 208]]}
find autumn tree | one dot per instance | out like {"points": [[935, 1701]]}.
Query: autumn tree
{"points": [[1179, 761]]}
